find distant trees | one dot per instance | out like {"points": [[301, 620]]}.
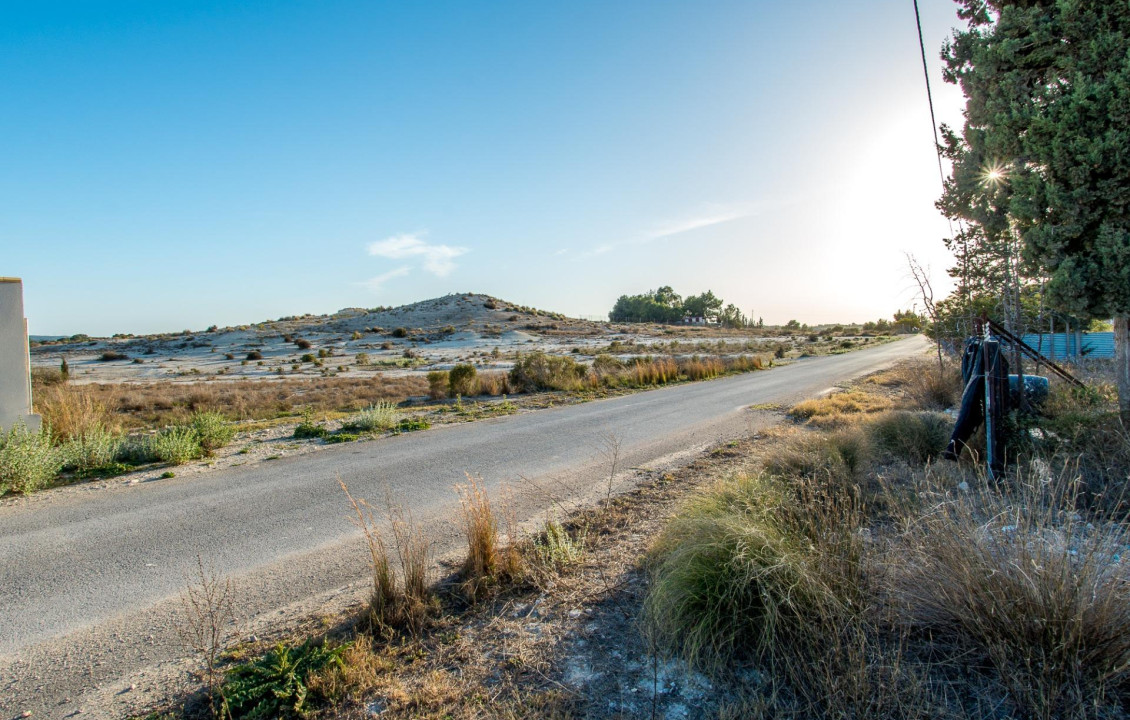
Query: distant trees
{"points": [[667, 306]]}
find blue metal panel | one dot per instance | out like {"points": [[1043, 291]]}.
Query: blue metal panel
{"points": [[1062, 346]]}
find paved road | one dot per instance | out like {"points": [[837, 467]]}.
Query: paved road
{"points": [[86, 578]]}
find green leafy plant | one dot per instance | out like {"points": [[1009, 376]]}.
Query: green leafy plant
{"points": [[274, 686], [379, 416], [412, 424], [212, 430], [461, 380], [308, 428], [92, 447], [176, 445], [28, 460]]}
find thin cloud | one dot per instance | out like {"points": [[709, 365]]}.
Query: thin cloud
{"points": [[698, 222], [713, 215], [439, 260], [376, 283]]}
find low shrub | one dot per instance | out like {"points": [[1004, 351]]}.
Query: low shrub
{"points": [[303, 344], [111, 355], [136, 450], [212, 430], [605, 365], [28, 460], [378, 417], [538, 371], [413, 424], [308, 428], [94, 447], [176, 445], [1013, 581], [254, 355], [461, 380], [556, 548], [437, 384], [400, 332], [916, 437], [275, 685], [753, 569]]}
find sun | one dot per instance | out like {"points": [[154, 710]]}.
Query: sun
{"points": [[994, 174]]}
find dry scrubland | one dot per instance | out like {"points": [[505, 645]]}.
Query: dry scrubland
{"points": [[112, 406], [829, 568]]}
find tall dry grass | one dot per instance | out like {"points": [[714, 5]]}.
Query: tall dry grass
{"points": [[862, 579], [74, 411], [394, 606], [480, 528], [1013, 578], [157, 404]]}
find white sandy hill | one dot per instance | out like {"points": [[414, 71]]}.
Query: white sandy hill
{"points": [[429, 333]]}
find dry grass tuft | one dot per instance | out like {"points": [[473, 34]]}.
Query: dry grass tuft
{"points": [[1016, 580], [850, 402], [72, 411], [480, 527], [390, 607]]}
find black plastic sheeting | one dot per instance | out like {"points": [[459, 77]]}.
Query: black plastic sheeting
{"points": [[985, 400]]}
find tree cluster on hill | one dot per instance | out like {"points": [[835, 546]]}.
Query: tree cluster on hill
{"points": [[667, 306]]}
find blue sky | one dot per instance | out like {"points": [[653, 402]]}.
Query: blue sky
{"points": [[171, 165]]}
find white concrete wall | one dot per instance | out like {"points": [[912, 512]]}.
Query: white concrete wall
{"points": [[15, 366]]}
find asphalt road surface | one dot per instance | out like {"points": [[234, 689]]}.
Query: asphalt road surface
{"points": [[89, 581]]}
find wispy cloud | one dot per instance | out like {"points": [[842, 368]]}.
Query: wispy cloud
{"points": [[438, 259], [375, 283], [705, 217], [698, 221]]}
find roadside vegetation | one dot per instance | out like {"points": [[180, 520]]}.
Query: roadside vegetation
{"points": [[80, 439], [832, 567], [859, 577]]}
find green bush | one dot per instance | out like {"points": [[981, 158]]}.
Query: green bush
{"points": [[437, 384], [274, 686], [212, 430], [93, 447], [461, 380], [380, 416], [28, 460], [754, 568], [538, 371], [176, 445], [400, 332], [915, 437], [308, 428], [136, 450], [413, 424]]}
